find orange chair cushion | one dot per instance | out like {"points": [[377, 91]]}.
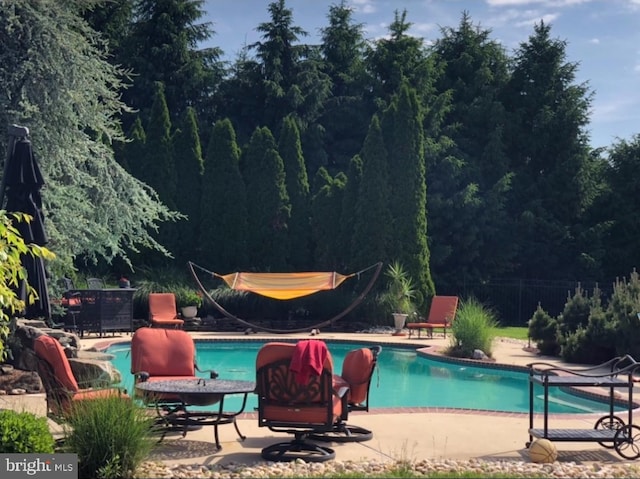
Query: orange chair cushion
{"points": [[442, 310], [51, 351], [356, 371], [163, 352], [88, 394], [162, 307]]}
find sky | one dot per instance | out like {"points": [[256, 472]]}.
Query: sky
{"points": [[602, 37]]}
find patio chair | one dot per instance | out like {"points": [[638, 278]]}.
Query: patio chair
{"points": [[61, 387], [441, 314], [95, 283], [159, 354], [287, 404], [357, 370], [163, 312]]}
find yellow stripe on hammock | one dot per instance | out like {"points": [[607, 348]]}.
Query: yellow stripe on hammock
{"points": [[284, 285]]}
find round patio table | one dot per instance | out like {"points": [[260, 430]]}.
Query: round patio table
{"points": [[201, 392]]}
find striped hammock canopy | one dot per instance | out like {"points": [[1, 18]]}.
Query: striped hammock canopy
{"points": [[284, 285]]}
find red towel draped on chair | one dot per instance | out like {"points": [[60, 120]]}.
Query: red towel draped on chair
{"points": [[308, 359]]}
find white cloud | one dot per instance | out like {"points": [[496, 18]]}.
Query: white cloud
{"points": [[364, 6], [595, 41], [551, 3]]}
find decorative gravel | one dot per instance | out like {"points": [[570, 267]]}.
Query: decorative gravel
{"points": [[423, 468]]}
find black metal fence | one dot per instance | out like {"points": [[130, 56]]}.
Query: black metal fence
{"points": [[515, 300]]}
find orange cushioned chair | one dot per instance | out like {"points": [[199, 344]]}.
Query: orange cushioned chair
{"points": [[357, 371], [163, 312], [159, 354], [287, 405], [60, 384], [441, 314]]}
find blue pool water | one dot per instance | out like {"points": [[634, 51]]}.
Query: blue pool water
{"points": [[403, 379]]}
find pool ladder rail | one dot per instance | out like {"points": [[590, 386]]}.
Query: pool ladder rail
{"points": [[610, 431]]}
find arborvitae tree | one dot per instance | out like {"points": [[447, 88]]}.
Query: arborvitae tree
{"points": [[467, 187], [268, 205], [403, 139], [326, 205], [164, 46], [348, 212], [131, 152], [223, 224], [373, 221], [189, 167], [159, 170], [548, 147], [159, 166], [297, 184], [93, 207], [347, 111]]}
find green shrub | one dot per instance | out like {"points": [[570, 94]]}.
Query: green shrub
{"points": [[473, 328], [24, 432], [111, 435], [543, 329]]}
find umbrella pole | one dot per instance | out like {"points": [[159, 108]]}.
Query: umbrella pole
{"points": [[15, 132]]}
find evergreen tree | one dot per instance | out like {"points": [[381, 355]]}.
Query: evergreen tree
{"points": [[348, 213], [297, 184], [189, 168], [401, 57], [346, 113], [94, 208], [548, 147], [373, 225], [223, 228], [132, 152], [468, 187], [268, 205], [163, 47], [326, 205], [403, 139], [159, 170]]}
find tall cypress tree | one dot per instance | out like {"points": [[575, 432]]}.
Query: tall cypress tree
{"points": [[348, 213], [373, 221], [548, 147], [223, 224], [159, 170], [403, 138], [326, 205], [189, 168], [297, 184], [268, 205]]}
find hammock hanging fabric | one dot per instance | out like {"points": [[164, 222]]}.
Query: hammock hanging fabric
{"points": [[329, 281], [284, 285]]}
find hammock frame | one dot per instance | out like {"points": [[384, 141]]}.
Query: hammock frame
{"points": [[377, 269]]}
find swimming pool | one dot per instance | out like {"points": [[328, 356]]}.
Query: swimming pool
{"points": [[403, 379]]}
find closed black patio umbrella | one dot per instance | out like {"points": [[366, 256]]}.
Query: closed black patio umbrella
{"points": [[22, 182]]}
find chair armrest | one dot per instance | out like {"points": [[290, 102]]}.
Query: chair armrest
{"points": [[212, 374]]}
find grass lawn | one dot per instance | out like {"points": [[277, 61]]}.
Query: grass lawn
{"points": [[515, 332]]}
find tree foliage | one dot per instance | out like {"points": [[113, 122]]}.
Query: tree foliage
{"points": [[57, 82]]}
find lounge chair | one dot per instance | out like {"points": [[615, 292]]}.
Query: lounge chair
{"points": [[357, 370], [61, 387], [287, 404], [441, 314], [163, 312]]}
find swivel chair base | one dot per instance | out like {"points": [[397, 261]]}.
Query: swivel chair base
{"points": [[297, 449]]}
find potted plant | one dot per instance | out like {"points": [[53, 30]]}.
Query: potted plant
{"points": [[188, 300], [400, 295]]}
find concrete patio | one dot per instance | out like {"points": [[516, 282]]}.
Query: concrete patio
{"points": [[400, 433]]}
